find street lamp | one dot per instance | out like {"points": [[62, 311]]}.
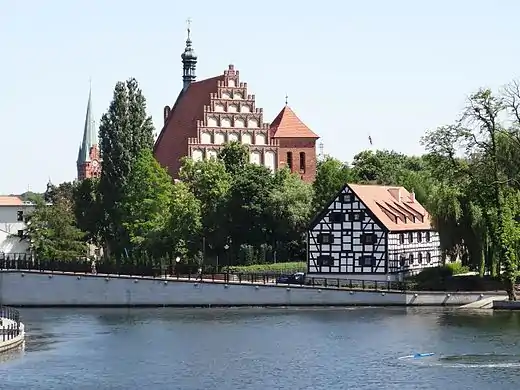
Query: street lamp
{"points": [[177, 261], [226, 247]]}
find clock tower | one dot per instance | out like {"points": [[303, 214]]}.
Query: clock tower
{"points": [[89, 162]]}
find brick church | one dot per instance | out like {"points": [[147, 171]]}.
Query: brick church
{"points": [[216, 110], [88, 163]]}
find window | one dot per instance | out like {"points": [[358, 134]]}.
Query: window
{"points": [[289, 160], [403, 261], [325, 260], [347, 198], [401, 238], [419, 258], [367, 261], [427, 236], [325, 238], [302, 162], [19, 215], [410, 237], [336, 217], [419, 236], [20, 233], [358, 216], [410, 258], [428, 257], [369, 239]]}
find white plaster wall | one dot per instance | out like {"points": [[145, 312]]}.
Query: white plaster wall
{"points": [[19, 288]]}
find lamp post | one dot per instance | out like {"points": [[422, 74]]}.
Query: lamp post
{"points": [[226, 247], [177, 261]]}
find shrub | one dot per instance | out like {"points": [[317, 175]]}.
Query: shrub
{"points": [[275, 268]]}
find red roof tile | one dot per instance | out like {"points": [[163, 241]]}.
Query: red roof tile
{"points": [[10, 201], [395, 207], [189, 107], [288, 125]]}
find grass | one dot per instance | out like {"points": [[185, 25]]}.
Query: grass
{"points": [[294, 266]]}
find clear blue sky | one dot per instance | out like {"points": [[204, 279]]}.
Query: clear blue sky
{"points": [[389, 68]]}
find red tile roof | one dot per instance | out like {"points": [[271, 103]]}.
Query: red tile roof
{"points": [[189, 107], [288, 125], [395, 207], [10, 201]]}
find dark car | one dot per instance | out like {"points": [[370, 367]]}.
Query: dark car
{"points": [[296, 278]]}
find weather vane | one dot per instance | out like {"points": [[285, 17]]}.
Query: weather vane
{"points": [[188, 24], [286, 99]]}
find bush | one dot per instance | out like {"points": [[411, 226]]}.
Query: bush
{"points": [[275, 268], [435, 278]]}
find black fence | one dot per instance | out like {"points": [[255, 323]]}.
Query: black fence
{"points": [[11, 328]]}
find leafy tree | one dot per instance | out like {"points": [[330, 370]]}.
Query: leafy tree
{"points": [[235, 156], [53, 233], [124, 132], [54, 193], [146, 201], [88, 209], [185, 224], [331, 176]]}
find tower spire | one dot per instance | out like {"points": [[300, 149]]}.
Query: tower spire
{"points": [[189, 60], [90, 138]]}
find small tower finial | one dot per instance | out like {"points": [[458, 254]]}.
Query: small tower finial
{"points": [[188, 25], [286, 99]]}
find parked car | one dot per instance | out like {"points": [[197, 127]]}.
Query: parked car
{"points": [[296, 278]]}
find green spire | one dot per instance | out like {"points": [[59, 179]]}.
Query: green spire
{"points": [[89, 134]]}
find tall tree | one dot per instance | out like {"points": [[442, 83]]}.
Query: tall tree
{"points": [[88, 209], [235, 156], [125, 131], [146, 202], [331, 176]]}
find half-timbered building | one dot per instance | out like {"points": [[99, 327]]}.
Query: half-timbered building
{"points": [[372, 232]]}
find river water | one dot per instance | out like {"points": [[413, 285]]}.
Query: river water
{"points": [[257, 349]]}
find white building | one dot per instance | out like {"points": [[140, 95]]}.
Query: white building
{"points": [[13, 217], [371, 232]]}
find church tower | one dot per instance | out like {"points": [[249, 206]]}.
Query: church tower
{"points": [[88, 163], [189, 62]]}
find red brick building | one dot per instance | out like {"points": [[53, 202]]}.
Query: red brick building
{"points": [[89, 163], [211, 112]]}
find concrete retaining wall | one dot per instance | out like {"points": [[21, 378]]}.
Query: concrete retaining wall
{"points": [[46, 289]]}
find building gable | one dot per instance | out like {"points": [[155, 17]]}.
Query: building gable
{"points": [[347, 238]]}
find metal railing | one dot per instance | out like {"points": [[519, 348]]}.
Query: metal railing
{"points": [[267, 278], [11, 328]]}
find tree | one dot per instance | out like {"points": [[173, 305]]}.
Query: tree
{"points": [[53, 232], [185, 224], [331, 176], [235, 156], [146, 202], [88, 209], [125, 131], [290, 207]]}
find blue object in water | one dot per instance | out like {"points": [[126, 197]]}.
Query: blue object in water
{"points": [[420, 355]]}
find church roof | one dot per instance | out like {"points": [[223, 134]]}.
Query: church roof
{"points": [[288, 125], [90, 137], [189, 106]]}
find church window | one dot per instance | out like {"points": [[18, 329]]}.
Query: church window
{"points": [[289, 160], [302, 162]]}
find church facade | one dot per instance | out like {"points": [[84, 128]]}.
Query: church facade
{"points": [[214, 111]]}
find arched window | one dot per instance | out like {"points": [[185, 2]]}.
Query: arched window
{"points": [[302, 162], [289, 161], [410, 258]]}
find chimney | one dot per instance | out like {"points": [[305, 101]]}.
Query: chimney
{"points": [[412, 197], [396, 193]]}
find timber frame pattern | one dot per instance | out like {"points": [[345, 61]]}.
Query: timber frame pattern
{"points": [[347, 238]]}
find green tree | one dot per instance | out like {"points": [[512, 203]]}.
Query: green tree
{"points": [[146, 202], [235, 156], [331, 176], [124, 132], [53, 233], [88, 209]]}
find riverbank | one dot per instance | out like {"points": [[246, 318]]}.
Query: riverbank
{"points": [[47, 289]]}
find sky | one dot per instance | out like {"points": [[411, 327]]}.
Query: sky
{"points": [[388, 69]]}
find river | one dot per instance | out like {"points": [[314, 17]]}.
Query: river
{"points": [[257, 349]]}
